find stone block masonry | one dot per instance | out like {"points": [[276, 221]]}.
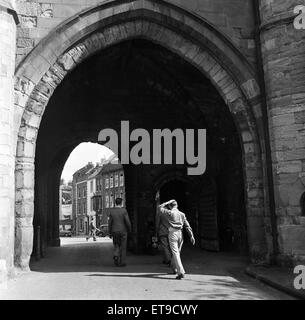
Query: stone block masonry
{"points": [[38, 18], [283, 53], [7, 161], [48, 63]]}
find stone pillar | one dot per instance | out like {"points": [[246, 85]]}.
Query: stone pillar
{"points": [[131, 189], [8, 20], [55, 206], [283, 50]]}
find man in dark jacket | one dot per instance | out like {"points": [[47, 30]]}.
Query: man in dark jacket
{"points": [[119, 225]]}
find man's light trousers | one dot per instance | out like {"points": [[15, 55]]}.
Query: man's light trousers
{"points": [[175, 239]]}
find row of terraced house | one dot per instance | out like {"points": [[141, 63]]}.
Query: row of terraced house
{"points": [[95, 188]]}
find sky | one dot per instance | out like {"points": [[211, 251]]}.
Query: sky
{"points": [[81, 155]]}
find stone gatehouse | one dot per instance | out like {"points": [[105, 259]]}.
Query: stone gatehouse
{"points": [[237, 68]]}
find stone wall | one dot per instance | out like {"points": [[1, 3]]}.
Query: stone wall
{"points": [[39, 17], [283, 50], [7, 162]]}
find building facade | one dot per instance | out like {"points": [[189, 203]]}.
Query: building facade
{"points": [[93, 187], [65, 207], [80, 200], [236, 68], [112, 187], [100, 186]]}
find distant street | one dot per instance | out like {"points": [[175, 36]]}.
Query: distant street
{"points": [[84, 270]]}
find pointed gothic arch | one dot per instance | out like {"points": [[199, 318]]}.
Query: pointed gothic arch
{"points": [[192, 38]]}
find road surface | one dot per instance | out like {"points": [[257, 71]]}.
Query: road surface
{"points": [[84, 270]]}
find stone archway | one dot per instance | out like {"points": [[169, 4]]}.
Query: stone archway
{"points": [[194, 39]]}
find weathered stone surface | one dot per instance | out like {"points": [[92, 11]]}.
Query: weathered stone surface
{"points": [[7, 184], [283, 58], [25, 179], [66, 61], [45, 10], [23, 243], [289, 167], [283, 49], [251, 88], [28, 22], [292, 239]]}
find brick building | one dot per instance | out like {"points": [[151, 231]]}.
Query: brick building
{"points": [[105, 183], [80, 199], [236, 68], [113, 186]]}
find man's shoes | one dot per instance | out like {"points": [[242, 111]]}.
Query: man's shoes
{"points": [[180, 276], [174, 271], [122, 265], [116, 261]]}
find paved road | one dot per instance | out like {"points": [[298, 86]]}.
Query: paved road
{"points": [[84, 270]]}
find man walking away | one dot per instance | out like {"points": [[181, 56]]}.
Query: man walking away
{"points": [[162, 226], [119, 225], [177, 221], [92, 230]]}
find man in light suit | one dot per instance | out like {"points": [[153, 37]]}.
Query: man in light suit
{"points": [[177, 220], [162, 226]]}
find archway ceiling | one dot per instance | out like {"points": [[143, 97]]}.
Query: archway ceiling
{"points": [[135, 73]]}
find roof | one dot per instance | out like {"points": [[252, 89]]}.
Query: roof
{"points": [[110, 167], [95, 172], [83, 172]]}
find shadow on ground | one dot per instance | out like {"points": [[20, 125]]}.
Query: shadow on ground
{"points": [[85, 270], [82, 256]]}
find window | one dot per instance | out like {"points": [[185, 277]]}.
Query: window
{"points": [[78, 191], [106, 183], [107, 201], [91, 204], [81, 225], [122, 197], [79, 209], [111, 201], [303, 204], [116, 180], [97, 204], [85, 192], [111, 181], [91, 186], [85, 207], [121, 180]]}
